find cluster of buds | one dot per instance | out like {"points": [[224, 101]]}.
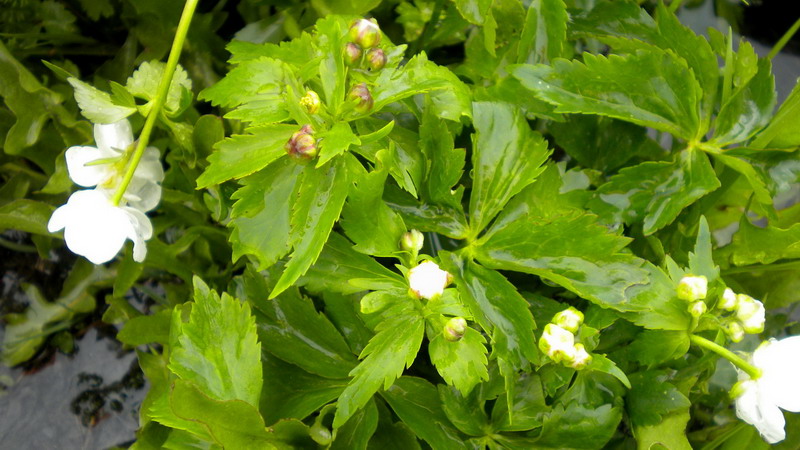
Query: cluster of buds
{"points": [[302, 146], [361, 98], [748, 314], [365, 36], [694, 289], [427, 280], [558, 340]]}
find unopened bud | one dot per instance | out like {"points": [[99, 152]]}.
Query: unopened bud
{"points": [[557, 343], [581, 358], [750, 313], [352, 53], [365, 33], [728, 301], [412, 241], [734, 331], [697, 309], [310, 102], [320, 434], [376, 58], [360, 96], [454, 329], [569, 319], [692, 288], [302, 146]]}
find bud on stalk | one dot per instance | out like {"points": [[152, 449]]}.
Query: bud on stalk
{"points": [[454, 329], [310, 102], [692, 288], [365, 33], [302, 146], [361, 98], [412, 241], [376, 58], [352, 53], [570, 319]]}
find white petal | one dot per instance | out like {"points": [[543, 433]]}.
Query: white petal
{"points": [[98, 229], [143, 230], [150, 166], [780, 363], [59, 219], [427, 280], [115, 136], [87, 175], [143, 195]]}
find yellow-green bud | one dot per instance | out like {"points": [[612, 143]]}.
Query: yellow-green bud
{"points": [[750, 313], [728, 301], [692, 288], [454, 329], [310, 102], [412, 241], [569, 319], [320, 434], [352, 53], [734, 331], [376, 58], [557, 343], [697, 309], [302, 146], [365, 33], [361, 98], [581, 358]]}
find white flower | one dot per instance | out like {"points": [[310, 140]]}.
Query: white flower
{"points": [[427, 280], [569, 319], [103, 166], [95, 228], [759, 401], [728, 300], [697, 309], [581, 358], [751, 313], [692, 288], [557, 343]]}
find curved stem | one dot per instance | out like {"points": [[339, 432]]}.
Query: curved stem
{"points": [[735, 359], [784, 39], [160, 99]]}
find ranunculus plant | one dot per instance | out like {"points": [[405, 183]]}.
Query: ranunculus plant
{"points": [[445, 224]]}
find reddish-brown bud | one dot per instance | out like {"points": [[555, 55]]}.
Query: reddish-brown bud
{"points": [[376, 58], [352, 54], [365, 33], [361, 98], [302, 146]]}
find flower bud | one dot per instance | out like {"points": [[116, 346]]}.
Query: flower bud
{"points": [[734, 331], [697, 309], [412, 241], [692, 288], [320, 434], [365, 33], [302, 146], [750, 313], [728, 301], [310, 102], [569, 319], [557, 343], [360, 96], [376, 58], [454, 329], [352, 53], [427, 280], [581, 358]]}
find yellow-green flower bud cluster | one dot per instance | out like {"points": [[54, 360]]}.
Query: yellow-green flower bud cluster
{"points": [[747, 314], [363, 49], [558, 340], [694, 289]]}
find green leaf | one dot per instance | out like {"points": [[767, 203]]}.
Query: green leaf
{"points": [[319, 202], [670, 433], [392, 435], [507, 157], [602, 364], [445, 163], [462, 363], [652, 347], [498, 308], [465, 412], [243, 154], [655, 192], [754, 172], [701, 262], [651, 397], [335, 142], [651, 88], [147, 329], [232, 423], [331, 31], [218, 347], [26, 215], [356, 433], [291, 392], [97, 105], [782, 131], [394, 347], [424, 216], [527, 406], [756, 245], [417, 403], [544, 35], [264, 203], [145, 81], [291, 329], [357, 7]]}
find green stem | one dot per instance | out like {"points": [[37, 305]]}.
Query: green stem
{"points": [[736, 360], [675, 5], [161, 97], [784, 39], [430, 26]]}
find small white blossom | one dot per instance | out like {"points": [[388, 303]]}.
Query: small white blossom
{"points": [[569, 319], [697, 309], [581, 357], [692, 288], [95, 228], [728, 300], [100, 166], [734, 331], [427, 280], [750, 313], [759, 401], [557, 343]]}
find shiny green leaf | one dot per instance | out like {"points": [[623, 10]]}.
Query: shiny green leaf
{"points": [[462, 363], [652, 396], [545, 33]]}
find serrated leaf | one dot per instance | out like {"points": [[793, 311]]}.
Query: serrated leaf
{"points": [[602, 364], [527, 406], [147, 329], [651, 88], [749, 107], [465, 412], [97, 105], [782, 131], [758, 178], [319, 202], [508, 156], [356, 433], [331, 31], [652, 347], [652, 396], [463, 363], [424, 216], [655, 192], [498, 308], [244, 154], [701, 261], [335, 142], [145, 81], [669, 433], [26, 215], [261, 215], [445, 163], [756, 245], [544, 35], [218, 347], [417, 403], [393, 348]]}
